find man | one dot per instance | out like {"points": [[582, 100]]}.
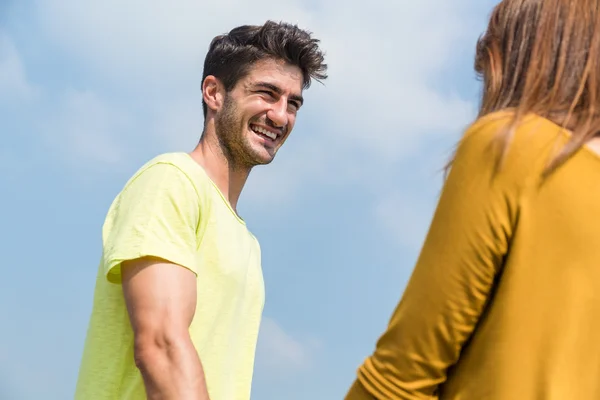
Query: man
{"points": [[179, 292]]}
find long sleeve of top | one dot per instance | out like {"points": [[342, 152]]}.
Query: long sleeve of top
{"points": [[472, 320]]}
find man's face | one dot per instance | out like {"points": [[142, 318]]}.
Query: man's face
{"points": [[258, 114]]}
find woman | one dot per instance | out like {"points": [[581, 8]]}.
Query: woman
{"points": [[504, 302]]}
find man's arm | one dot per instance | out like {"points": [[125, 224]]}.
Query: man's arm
{"points": [[161, 301]]}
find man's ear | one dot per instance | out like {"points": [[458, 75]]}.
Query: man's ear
{"points": [[213, 93]]}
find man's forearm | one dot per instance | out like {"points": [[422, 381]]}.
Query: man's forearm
{"points": [[171, 371]]}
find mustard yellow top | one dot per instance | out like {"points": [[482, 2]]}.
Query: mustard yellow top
{"points": [[504, 301]]}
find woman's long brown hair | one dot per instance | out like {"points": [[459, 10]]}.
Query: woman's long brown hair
{"points": [[543, 57]]}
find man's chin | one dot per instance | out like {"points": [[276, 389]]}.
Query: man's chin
{"points": [[263, 161], [263, 158]]}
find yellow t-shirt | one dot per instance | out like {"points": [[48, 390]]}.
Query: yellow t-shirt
{"points": [[172, 210], [503, 303]]}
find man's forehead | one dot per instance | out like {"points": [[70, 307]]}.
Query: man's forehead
{"points": [[274, 72]]}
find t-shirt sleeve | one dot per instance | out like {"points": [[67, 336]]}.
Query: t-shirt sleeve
{"points": [[452, 280], [156, 214]]}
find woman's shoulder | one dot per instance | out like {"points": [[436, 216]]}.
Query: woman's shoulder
{"points": [[528, 143], [532, 130]]}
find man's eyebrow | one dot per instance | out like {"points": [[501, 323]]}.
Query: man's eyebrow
{"points": [[277, 90]]}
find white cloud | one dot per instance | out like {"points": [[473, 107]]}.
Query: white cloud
{"points": [[279, 354], [87, 131], [13, 81], [151, 42], [381, 96]]}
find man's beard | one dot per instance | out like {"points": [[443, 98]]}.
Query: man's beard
{"points": [[230, 131]]}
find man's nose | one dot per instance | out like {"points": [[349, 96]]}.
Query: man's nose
{"points": [[278, 114]]}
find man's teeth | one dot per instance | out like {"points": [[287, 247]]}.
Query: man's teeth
{"points": [[265, 132]]}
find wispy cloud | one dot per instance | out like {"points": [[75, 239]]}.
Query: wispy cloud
{"points": [[382, 95], [139, 43], [87, 131], [380, 100], [279, 354], [405, 217], [14, 86], [178, 124]]}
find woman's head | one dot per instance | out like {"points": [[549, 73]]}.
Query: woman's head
{"points": [[543, 57]]}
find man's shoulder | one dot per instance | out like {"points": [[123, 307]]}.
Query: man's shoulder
{"points": [[178, 160], [166, 177], [176, 164]]}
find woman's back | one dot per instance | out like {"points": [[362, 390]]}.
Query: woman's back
{"points": [[504, 297], [538, 336]]}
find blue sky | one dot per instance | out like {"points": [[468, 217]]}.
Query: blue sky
{"points": [[88, 93]]}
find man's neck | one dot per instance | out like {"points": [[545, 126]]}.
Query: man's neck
{"points": [[229, 179]]}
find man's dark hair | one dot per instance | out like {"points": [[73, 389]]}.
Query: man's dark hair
{"points": [[231, 56]]}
